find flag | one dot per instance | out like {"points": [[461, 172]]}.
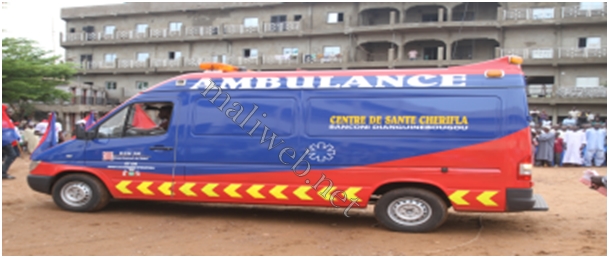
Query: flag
{"points": [[89, 120], [141, 119], [9, 135], [48, 140]]}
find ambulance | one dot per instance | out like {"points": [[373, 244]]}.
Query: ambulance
{"points": [[412, 142]]}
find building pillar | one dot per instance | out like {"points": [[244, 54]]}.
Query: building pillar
{"points": [[554, 115], [440, 53], [392, 18], [403, 16], [390, 54], [449, 50], [400, 52], [449, 14], [440, 14]]}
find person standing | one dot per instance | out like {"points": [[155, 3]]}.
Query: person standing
{"points": [[595, 149], [574, 113], [575, 143], [30, 138], [558, 149], [412, 54], [545, 150]]}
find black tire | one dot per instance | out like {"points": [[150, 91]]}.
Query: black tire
{"points": [[82, 183], [421, 199]]}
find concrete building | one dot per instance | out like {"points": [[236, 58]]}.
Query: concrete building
{"points": [[128, 47]]}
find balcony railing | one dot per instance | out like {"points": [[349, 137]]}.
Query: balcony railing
{"points": [[575, 11], [550, 53], [581, 92], [84, 100], [194, 31], [573, 52], [543, 13]]}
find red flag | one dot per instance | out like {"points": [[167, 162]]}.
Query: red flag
{"points": [[141, 119]]}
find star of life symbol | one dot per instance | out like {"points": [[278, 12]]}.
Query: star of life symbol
{"points": [[321, 152]]}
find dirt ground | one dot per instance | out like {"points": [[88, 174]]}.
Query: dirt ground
{"points": [[32, 225]]}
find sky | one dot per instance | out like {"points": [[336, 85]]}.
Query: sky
{"points": [[40, 20]]}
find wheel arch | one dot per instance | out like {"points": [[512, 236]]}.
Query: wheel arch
{"points": [[389, 186], [74, 172]]}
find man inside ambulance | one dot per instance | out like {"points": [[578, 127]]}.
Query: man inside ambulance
{"points": [[143, 123], [164, 116]]}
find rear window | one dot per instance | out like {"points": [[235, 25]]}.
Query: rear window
{"points": [[437, 117]]}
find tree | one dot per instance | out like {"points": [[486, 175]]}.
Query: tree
{"points": [[30, 73]]}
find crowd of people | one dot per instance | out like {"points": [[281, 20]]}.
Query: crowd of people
{"points": [[580, 139]]}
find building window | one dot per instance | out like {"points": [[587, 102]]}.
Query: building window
{"points": [[335, 17], [467, 16], [331, 51], [141, 28], [432, 17], [250, 53], [591, 6], [88, 83], [142, 57], [587, 82], [297, 17], [141, 85], [110, 85], [290, 51], [589, 42], [109, 29], [173, 55], [109, 58], [175, 26], [72, 30], [250, 22]]}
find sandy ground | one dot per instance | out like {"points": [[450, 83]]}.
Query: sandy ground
{"points": [[32, 225]]}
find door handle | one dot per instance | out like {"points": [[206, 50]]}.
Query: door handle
{"points": [[161, 148]]}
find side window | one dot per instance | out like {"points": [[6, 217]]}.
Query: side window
{"points": [[138, 119], [113, 127]]}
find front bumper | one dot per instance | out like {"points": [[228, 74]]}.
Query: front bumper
{"points": [[40, 183], [519, 199]]}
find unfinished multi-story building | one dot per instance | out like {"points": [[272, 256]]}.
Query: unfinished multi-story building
{"points": [[126, 48]]}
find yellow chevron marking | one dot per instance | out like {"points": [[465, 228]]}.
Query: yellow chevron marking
{"points": [[277, 192], [231, 190], [208, 190], [485, 198], [185, 188], [253, 191], [301, 193], [165, 188], [351, 191], [328, 193], [143, 187], [122, 187], [457, 197]]}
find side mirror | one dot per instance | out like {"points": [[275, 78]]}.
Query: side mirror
{"points": [[81, 134]]}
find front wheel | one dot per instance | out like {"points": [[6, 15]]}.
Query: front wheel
{"points": [[80, 192], [411, 210]]}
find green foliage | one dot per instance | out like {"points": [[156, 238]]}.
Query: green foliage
{"points": [[30, 73]]}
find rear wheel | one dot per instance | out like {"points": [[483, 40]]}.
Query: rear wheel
{"points": [[411, 210], [80, 192]]}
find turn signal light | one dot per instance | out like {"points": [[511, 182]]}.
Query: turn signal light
{"points": [[494, 73], [515, 60]]}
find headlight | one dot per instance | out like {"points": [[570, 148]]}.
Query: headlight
{"points": [[33, 165]]}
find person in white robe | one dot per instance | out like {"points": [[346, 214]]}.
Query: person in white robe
{"points": [[575, 141]]}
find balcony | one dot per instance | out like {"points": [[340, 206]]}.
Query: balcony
{"points": [[194, 33], [562, 55], [549, 94], [552, 15]]}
